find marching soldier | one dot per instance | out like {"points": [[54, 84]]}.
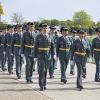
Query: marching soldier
{"points": [[86, 38], [53, 63], [63, 47], [73, 38], [7, 48], [96, 49], [79, 50], [0, 50], [89, 43], [16, 50], [43, 44], [55, 41], [27, 49], [3, 58]]}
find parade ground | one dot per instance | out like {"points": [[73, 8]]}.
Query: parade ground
{"points": [[13, 89]]}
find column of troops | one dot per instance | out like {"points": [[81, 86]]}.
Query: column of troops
{"points": [[45, 49]]}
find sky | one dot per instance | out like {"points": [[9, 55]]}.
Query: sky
{"points": [[50, 9]]}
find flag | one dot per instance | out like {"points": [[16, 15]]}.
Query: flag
{"points": [[2, 12]]}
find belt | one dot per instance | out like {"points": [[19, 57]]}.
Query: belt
{"points": [[8, 45], [80, 53], [17, 45], [96, 49], [64, 49], [29, 46], [1, 44], [43, 48]]}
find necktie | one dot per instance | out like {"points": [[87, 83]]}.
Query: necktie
{"points": [[31, 34], [45, 36], [65, 39], [11, 35]]}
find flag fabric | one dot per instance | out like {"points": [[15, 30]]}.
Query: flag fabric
{"points": [[2, 12]]}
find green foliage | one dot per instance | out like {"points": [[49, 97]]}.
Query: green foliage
{"points": [[63, 23], [55, 22], [47, 21], [2, 25], [98, 24], [82, 20], [36, 24]]}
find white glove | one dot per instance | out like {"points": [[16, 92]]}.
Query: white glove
{"points": [[90, 60], [71, 62], [11, 54], [4, 53], [22, 55], [56, 58], [35, 59]]}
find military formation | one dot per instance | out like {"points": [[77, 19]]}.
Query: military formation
{"points": [[45, 48]]}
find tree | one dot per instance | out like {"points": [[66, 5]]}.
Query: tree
{"points": [[40, 19], [69, 23], [98, 24], [55, 22], [47, 21], [82, 20], [63, 23], [17, 18], [36, 24]]}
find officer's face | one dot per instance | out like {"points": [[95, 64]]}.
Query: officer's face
{"points": [[11, 30], [44, 30], [19, 29], [98, 34], [4, 31], [73, 34], [52, 31], [31, 27], [81, 36], [65, 33]]}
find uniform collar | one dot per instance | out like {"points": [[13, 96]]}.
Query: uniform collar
{"points": [[45, 34], [81, 40], [65, 37], [31, 32], [20, 33]]}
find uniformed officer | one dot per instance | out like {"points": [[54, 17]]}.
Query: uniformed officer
{"points": [[7, 49], [42, 52], [16, 50], [63, 47], [86, 38], [89, 43], [53, 63], [79, 50], [37, 34], [73, 38], [23, 31], [27, 49], [96, 49], [0, 48], [3, 58]]}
